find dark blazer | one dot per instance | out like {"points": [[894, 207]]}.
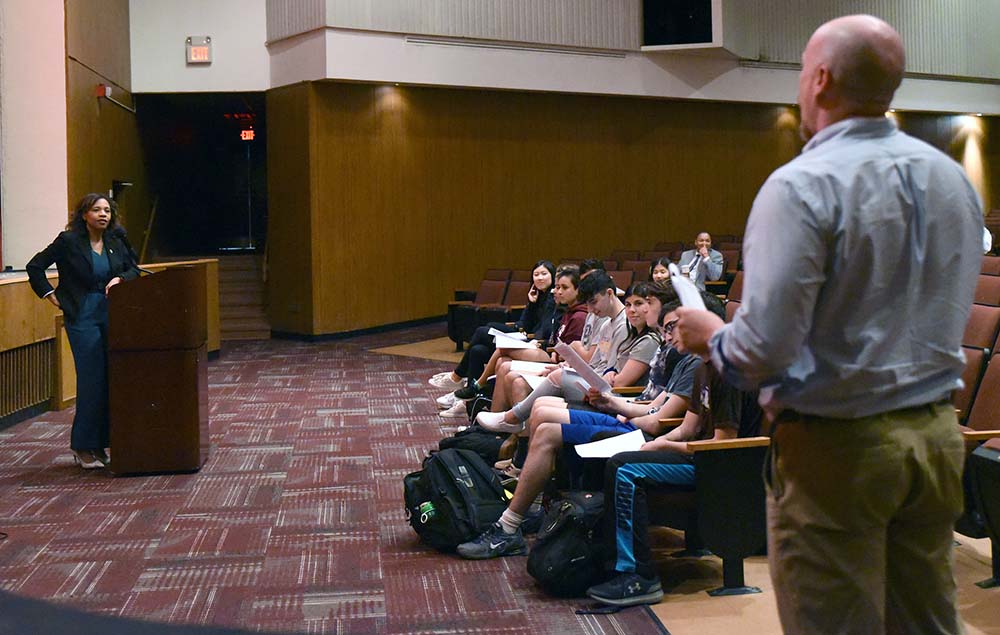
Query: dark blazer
{"points": [[70, 252]]}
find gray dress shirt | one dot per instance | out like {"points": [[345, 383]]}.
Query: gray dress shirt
{"points": [[861, 257]]}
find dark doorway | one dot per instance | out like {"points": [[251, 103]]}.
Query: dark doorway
{"points": [[206, 155]]}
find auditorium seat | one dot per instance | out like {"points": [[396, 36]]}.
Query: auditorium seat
{"points": [[988, 290], [655, 254], [991, 265], [731, 308], [975, 364], [981, 518], [982, 328], [463, 314], [610, 265], [509, 310], [676, 245], [622, 279], [731, 264], [736, 288], [639, 269], [520, 275], [725, 511], [621, 255]]}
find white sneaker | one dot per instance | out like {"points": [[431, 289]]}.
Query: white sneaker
{"points": [[443, 381], [457, 411], [493, 421], [446, 401]]}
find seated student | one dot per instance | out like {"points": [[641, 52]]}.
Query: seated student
{"points": [[658, 269], [721, 412], [702, 263], [560, 427], [664, 361], [571, 315], [597, 291], [587, 344], [537, 310]]}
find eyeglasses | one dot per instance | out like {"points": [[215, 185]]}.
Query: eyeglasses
{"points": [[669, 327]]}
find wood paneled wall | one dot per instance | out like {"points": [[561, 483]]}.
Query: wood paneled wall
{"points": [[291, 270], [102, 138], [383, 199], [386, 198]]}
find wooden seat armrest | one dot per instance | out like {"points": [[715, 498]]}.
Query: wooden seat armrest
{"points": [[628, 390], [980, 435], [516, 307], [670, 422], [642, 402], [728, 444], [550, 349], [460, 303]]}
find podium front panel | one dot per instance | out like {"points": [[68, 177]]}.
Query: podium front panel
{"points": [[159, 410]]}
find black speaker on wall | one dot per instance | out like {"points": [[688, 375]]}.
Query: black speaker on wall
{"points": [[666, 22]]}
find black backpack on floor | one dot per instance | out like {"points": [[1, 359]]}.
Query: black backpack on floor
{"points": [[568, 556], [478, 439], [453, 499]]}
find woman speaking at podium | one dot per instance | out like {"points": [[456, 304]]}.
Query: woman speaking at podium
{"points": [[91, 257]]}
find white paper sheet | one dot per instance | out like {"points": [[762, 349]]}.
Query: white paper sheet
{"points": [[533, 380], [582, 368], [607, 448], [686, 290], [502, 341], [531, 368], [517, 335]]}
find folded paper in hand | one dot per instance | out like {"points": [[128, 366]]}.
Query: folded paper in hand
{"points": [[583, 368], [686, 290]]}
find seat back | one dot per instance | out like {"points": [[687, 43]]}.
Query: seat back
{"points": [[985, 411], [982, 328], [621, 255], [490, 292], [987, 290], [736, 288], [610, 265], [731, 307], [728, 246], [520, 275], [517, 293], [502, 275], [991, 265], [975, 363], [622, 279], [676, 245], [655, 255], [732, 260], [639, 269]]}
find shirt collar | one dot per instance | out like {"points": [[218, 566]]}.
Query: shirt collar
{"points": [[853, 126]]}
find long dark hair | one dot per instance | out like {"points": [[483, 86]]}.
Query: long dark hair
{"points": [[77, 224]]}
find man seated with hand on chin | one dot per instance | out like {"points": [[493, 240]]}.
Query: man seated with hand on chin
{"points": [[561, 426], [702, 263]]}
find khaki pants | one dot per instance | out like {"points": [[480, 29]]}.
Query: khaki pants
{"points": [[860, 517]]}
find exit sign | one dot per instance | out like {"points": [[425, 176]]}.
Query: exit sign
{"points": [[246, 135], [199, 49]]}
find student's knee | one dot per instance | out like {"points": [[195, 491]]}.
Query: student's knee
{"points": [[547, 435]]}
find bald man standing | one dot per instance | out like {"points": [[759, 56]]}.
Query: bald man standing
{"points": [[854, 340]]}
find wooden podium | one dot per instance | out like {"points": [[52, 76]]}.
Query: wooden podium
{"points": [[158, 373]]}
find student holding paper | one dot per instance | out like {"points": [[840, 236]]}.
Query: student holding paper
{"points": [[537, 313], [565, 427], [597, 291], [718, 412]]}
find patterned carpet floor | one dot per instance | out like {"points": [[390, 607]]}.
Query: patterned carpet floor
{"points": [[295, 524]]}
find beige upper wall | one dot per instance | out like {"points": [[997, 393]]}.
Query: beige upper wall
{"points": [[33, 155]]}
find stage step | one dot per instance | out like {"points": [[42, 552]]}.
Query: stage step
{"points": [[242, 299]]}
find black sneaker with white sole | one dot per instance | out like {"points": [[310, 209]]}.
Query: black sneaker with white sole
{"points": [[627, 589], [493, 543], [468, 391]]}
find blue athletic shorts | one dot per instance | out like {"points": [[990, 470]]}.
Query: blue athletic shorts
{"points": [[583, 426]]}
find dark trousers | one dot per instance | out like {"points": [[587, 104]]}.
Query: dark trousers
{"points": [[480, 350], [88, 339], [627, 476]]}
